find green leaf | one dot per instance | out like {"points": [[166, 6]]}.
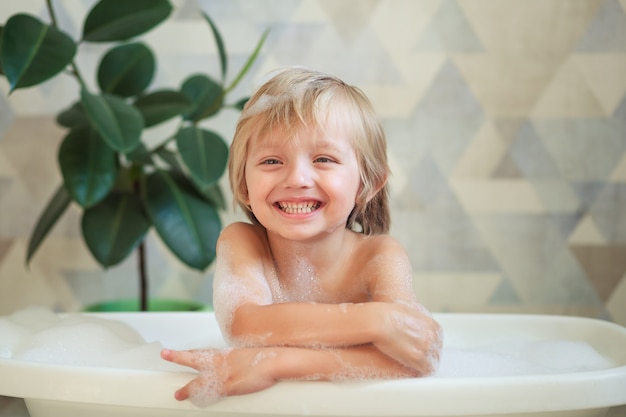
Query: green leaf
{"points": [[126, 70], [119, 20], [169, 158], [204, 153], [187, 225], [221, 49], [120, 124], [205, 94], [73, 117], [1, 70], [51, 214], [215, 196], [115, 227], [241, 103], [88, 165], [248, 63], [33, 52], [140, 155], [162, 105]]}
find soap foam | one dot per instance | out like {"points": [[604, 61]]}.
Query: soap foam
{"points": [[38, 335], [208, 387], [517, 358]]}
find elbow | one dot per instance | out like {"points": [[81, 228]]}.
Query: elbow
{"points": [[244, 332]]}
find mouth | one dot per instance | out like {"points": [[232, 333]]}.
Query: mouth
{"points": [[301, 207]]}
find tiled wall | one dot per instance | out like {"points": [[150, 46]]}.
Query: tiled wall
{"points": [[506, 122]]}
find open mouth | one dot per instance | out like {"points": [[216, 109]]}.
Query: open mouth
{"points": [[302, 207]]}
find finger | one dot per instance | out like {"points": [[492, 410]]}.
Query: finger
{"points": [[185, 358], [183, 393], [204, 390]]}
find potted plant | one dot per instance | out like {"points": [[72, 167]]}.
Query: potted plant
{"points": [[123, 186]]}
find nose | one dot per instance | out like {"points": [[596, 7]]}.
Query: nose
{"points": [[299, 174]]}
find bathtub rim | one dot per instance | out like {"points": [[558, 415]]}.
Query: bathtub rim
{"points": [[157, 387]]}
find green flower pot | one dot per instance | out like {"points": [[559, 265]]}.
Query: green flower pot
{"points": [[154, 304]]}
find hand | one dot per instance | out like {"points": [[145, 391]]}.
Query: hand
{"points": [[411, 336], [223, 372]]}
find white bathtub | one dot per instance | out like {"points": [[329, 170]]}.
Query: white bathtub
{"points": [[71, 391]]}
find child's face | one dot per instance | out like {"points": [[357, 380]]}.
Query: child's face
{"points": [[302, 187]]}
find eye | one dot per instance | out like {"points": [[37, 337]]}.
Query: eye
{"points": [[270, 161], [323, 159]]}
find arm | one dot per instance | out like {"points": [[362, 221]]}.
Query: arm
{"points": [[246, 370], [410, 335], [395, 323], [247, 316]]}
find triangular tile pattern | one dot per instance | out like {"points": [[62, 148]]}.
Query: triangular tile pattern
{"points": [[505, 294], [505, 123], [607, 31], [350, 17], [449, 32], [604, 265]]}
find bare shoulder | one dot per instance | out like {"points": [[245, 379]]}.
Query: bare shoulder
{"points": [[382, 248], [241, 233], [387, 268]]}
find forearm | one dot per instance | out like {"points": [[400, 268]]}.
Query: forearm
{"points": [[305, 324], [247, 370], [348, 364]]}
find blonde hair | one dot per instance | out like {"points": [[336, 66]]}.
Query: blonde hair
{"points": [[297, 98]]}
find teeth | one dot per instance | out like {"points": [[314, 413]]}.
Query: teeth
{"points": [[299, 208]]}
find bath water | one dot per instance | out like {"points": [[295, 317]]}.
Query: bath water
{"points": [[39, 335]]}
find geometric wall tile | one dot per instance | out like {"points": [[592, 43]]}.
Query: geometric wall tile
{"points": [[307, 11], [349, 17], [507, 85], [565, 283], [501, 196], [400, 23], [463, 289], [605, 266], [607, 31], [530, 155], [533, 28], [447, 117], [617, 302], [608, 212], [605, 76], [5, 244], [6, 117], [482, 155], [586, 233], [619, 174], [449, 31], [557, 196], [583, 149], [505, 294], [568, 95], [507, 169]]}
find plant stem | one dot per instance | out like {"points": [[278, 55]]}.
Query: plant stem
{"points": [[141, 261], [53, 18], [53, 21], [143, 279]]}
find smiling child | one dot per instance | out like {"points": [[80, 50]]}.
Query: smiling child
{"points": [[313, 288]]}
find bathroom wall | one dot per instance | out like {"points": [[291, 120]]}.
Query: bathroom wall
{"points": [[506, 123]]}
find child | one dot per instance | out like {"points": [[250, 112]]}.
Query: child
{"points": [[314, 288]]}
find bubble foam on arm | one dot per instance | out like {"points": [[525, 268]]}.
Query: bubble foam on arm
{"points": [[409, 333], [241, 371], [245, 309]]}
